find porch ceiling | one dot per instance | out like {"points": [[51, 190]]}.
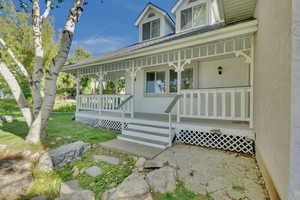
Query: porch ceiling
{"points": [[237, 10]]}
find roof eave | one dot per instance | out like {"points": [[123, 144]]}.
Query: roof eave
{"points": [[243, 28]]}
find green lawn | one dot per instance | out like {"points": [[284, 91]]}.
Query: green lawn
{"points": [[61, 130]]}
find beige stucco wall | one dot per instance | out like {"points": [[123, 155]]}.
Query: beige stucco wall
{"points": [[295, 109], [272, 89]]}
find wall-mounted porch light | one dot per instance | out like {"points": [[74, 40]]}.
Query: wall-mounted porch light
{"points": [[220, 70]]}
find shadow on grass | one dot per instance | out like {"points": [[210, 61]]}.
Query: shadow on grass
{"points": [[18, 128]]}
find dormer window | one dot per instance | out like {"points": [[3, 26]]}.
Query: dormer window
{"points": [[194, 16], [151, 30]]}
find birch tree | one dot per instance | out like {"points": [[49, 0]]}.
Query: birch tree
{"points": [[36, 116]]}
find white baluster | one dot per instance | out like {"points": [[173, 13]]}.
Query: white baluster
{"points": [[215, 107], [232, 104], [224, 105], [206, 104], [192, 103], [243, 105], [199, 104]]}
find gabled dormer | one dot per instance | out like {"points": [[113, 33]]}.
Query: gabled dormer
{"points": [[153, 23], [192, 14]]}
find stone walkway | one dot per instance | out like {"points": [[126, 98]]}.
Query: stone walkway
{"points": [[220, 175]]}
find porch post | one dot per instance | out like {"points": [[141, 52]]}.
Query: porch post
{"points": [[100, 79], [133, 76], [179, 71], [251, 125], [78, 78]]}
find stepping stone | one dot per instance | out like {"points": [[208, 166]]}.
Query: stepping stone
{"points": [[140, 164], [108, 159], [69, 187], [93, 171], [153, 164], [78, 195], [162, 180]]}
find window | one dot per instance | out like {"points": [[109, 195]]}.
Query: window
{"points": [[186, 80], [156, 82], [194, 16], [186, 18], [151, 29]]}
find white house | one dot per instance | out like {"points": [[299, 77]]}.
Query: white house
{"points": [[219, 76]]}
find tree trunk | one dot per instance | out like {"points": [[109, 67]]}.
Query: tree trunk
{"points": [[40, 122], [39, 57], [17, 92]]}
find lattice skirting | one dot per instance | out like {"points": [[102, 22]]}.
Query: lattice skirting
{"points": [[221, 141], [107, 124]]}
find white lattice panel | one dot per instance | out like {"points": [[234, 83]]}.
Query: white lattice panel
{"points": [[107, 124], [221, 141]]}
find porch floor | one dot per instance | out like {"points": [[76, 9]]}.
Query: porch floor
{"points": [[162, 119]]}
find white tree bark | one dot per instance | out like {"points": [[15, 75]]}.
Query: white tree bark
{"points": [[48, 8], [39, 123], [21, 67], [39, 57], [17, 92]]}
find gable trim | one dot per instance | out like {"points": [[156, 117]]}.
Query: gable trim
{"points": [[161, 11], [174, 9]]}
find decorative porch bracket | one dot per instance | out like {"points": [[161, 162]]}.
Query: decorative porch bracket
{"points": [[179, 68], [248, 59]]}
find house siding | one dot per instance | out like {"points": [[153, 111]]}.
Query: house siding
{"points": [[272, 90], [235, 74], [295, 106]]}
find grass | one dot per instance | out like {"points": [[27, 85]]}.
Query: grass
{"points": [[61, 130], [48, 183], [181, 193]]}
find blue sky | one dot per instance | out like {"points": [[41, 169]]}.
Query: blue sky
{"points": [[108, 26]]}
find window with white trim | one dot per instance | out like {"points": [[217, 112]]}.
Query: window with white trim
{"points": [[194, 16], [186, 80], [151, 29], [156, 82], [165, 81]]}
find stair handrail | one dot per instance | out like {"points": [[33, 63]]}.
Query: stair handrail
{"points": [[169, 112], [124, 102], [123, 111]]}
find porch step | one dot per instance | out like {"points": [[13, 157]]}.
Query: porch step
{"points": [[149, 128], [147, 134], [144, 141]]}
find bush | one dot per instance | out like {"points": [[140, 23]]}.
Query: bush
{"points": [[65, 106]]}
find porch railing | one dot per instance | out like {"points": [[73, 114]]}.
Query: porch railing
{"points": [[169, 112], [110, 103], [219, 103]]}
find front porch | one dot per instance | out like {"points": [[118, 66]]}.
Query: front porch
{"points": [[199, 92]]}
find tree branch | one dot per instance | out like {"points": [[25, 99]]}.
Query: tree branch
{"points": [[52, 75], [21, 67], [48, 8], [17, 92]]}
